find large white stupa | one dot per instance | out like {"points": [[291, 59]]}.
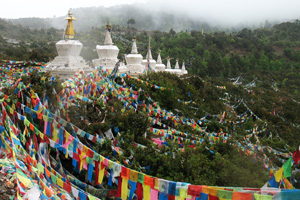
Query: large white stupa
{"points": [[134, 60], [149, 59], [107, 53], [68, 60]]}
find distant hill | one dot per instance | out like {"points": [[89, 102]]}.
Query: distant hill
{"points": [[26, 33], [144, 18]]}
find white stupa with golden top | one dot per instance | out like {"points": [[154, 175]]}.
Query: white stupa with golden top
{"points": [[107, 53], [68, 60]]}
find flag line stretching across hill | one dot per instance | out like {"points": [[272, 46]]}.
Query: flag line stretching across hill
{"points": [[27, 152]]}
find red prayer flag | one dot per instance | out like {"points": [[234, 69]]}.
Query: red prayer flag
{"points": [[296, 156]]}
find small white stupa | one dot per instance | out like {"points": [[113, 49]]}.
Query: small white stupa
{"points": [[159, 65], [134, 60], [177, 65], [149, 59], [107, 53], [173, 71], [68, 60], [169, 63], [183, 70]]}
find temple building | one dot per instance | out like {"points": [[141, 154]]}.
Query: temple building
{"points": [[107, 53], [68, 60]]}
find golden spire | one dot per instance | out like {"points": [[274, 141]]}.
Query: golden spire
{"points": [[108, 26], [69, 33]]}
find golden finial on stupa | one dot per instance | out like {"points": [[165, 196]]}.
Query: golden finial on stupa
{"points": [[108, 26], [69, 33]]}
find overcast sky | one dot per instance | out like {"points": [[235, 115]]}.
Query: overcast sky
{"points": [[221, 11]]}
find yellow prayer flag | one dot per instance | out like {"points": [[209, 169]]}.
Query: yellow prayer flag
{"points": [[60, 183], [54, 134], [41, 135], [26, 181], [101, 174], [146, 192], [91, 197], [124, 190], [278, 174]]}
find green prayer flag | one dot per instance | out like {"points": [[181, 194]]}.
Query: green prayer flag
{"points": [[40, 167], [53, 179], [224, 194], [26, 122], [96, 157], [89, 160], [36, 131], [287, 168], [262, 197], [141, 178]]}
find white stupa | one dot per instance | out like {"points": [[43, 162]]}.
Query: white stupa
{"points": [[149, 58], [68, 60], [183, 70], [169, 63], [107, 53], [177, 65], [159, 65], [134, 60]]}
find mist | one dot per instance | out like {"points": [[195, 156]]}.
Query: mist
{"points": [[209, 15], [230, 12]]}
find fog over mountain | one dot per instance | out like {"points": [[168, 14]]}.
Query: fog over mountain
{"points": [[214, 15], [232, 12]]}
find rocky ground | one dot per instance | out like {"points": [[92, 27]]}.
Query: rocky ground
{"points": [[7, 188]]}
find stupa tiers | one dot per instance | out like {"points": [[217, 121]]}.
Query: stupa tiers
{"points": [[107, 52], [68, 60], [149, 59], [134, 60]]}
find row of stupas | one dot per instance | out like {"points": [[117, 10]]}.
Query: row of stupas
{"points": [[69, 60]]}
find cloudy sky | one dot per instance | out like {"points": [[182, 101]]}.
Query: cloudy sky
{"points": [[221, 11]]}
